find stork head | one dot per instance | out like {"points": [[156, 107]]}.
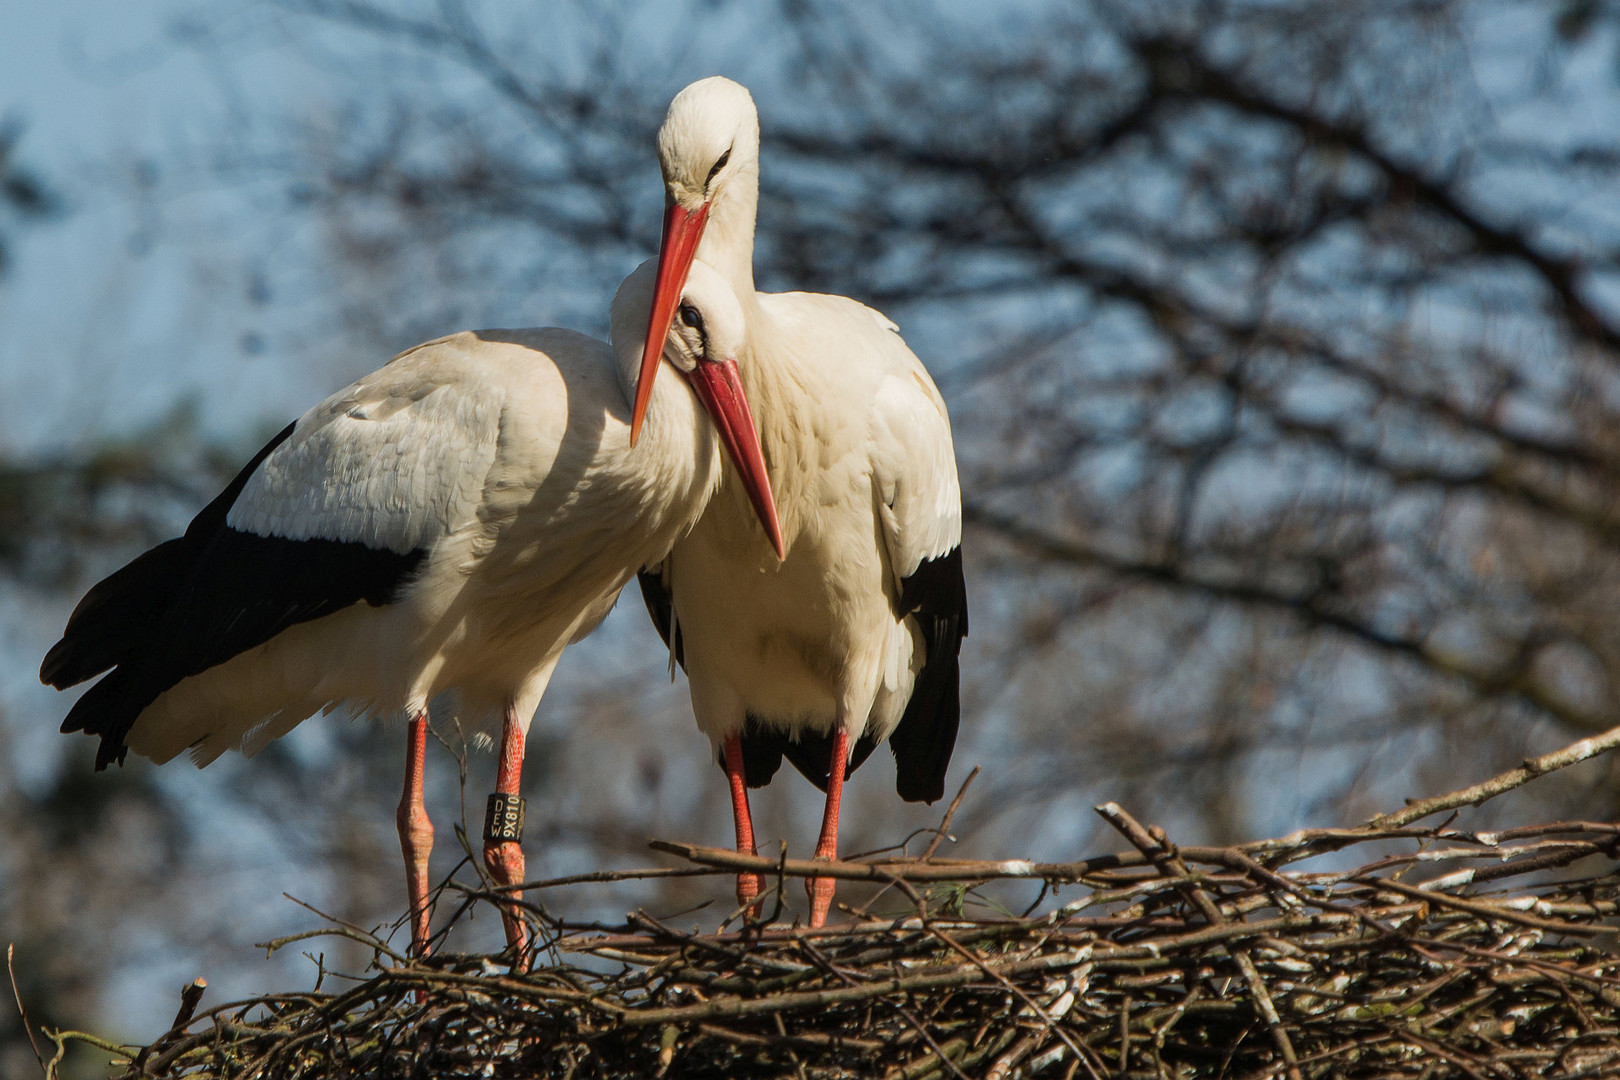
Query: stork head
{"points": [[709, 135], [705, 335], [709, 138]]}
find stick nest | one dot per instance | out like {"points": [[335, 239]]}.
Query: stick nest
{"points": [[1395, 951]]}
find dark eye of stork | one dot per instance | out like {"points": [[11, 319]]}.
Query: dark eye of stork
{"points": [[719, 164], [692, 317]]}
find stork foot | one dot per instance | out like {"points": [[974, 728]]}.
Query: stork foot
{"points": [[820, 890]]}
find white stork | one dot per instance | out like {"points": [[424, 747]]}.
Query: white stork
{"points": [[447, 523], [853, 636]]}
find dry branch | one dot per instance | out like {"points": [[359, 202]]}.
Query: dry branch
{"points": [[1444, 952]]}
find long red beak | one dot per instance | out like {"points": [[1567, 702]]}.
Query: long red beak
{"points": [[716, 384], [682, 231]]}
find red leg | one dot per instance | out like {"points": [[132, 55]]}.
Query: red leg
{"points": [[503, 827], [416, 832], [821, 889], [749, 886]]}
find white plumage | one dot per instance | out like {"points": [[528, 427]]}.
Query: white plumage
{"points": [[853, 637]]}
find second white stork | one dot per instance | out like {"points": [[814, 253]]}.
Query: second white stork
{"points": [[853, 637], [447, 523]]}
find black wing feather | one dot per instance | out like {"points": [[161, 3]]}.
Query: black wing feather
{"points": [[661, 607], [762, 753], [196, 602], [116, 615], [935, 595], [121, 612]]}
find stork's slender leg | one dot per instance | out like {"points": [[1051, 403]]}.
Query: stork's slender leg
{"points": [[821, 889], [503, 827], [749, 886], [416, 832]]}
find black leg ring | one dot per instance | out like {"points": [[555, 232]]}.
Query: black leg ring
{"points": [[503, 819]]}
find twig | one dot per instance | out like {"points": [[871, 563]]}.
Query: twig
{"points": [[946, 1060], [1050, 1024], [190, 995], [1573, 754], [814, 998], [22, 1010], [1486, 911], [370, 940], [893, 871]]}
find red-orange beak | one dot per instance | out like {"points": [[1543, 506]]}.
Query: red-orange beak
{"points": [[682, 231], [716, 384]]}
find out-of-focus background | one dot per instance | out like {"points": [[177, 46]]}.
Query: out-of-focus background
{"points": [[1282, 343]]}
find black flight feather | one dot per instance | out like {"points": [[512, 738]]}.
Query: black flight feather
{"points": [[661, 607], [120, 613], [935, 595], [196, 602]]}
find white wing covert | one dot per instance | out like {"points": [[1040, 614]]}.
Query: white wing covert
{"points": [[919, 499], [393, 462]]}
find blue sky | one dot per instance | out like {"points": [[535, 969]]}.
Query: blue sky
{"points": [[130, 301]]}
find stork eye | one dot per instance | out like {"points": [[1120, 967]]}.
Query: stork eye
{"points": [[692, 317], [719, 164]]}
